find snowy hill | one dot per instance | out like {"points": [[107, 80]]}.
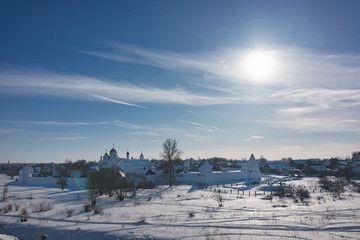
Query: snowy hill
{"points": [[186, 212]]}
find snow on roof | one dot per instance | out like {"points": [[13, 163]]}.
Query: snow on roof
{"points": [[137, 162], [278, 165], [319, 168], [300, 161]]}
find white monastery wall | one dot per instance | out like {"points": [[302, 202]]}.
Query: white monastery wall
{"points": [[51, 181]]}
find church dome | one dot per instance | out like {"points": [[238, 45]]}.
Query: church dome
{"points": [[112, 150]]}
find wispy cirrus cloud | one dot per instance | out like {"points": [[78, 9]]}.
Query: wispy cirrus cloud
{"points": [[201, 126], [144, 133], [312, 124], [34, 82], [319, 110], [206, 127], [128, 125], [256, 137], [68, 138], [69, 124], [51, 123], [116, 101], [320, 97]]}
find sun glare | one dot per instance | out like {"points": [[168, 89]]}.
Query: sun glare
{"points": [[260, 66]]}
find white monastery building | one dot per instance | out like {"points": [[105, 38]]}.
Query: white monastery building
{"points": [[139, 166], [249, 172]]}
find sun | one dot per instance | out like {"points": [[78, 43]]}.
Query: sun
{"points": [[260, 65]]}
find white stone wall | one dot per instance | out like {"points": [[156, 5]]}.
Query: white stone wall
{"points": [[51, 181]]}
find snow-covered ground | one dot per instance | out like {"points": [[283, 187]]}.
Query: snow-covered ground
{"points": [[183, 213]]}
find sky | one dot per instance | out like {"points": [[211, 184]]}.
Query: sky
{"points": [[224, 78]]}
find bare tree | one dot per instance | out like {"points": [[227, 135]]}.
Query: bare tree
{"points": [[62, 182], [171, 152], [134, 181]]}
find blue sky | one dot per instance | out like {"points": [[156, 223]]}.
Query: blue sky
{"points": [[77, 77]]}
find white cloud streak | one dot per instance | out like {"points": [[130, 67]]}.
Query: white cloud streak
{"points": [[128, 125], [202, 127], [68, 138], [24, 82], [115, 101], [332, 124], [51, 123], [144, 133], [256, 137]]}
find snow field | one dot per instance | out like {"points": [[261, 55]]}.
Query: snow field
{"points": [[185, 212]]}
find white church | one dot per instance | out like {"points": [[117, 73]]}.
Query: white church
{"points": [[139, 166]]}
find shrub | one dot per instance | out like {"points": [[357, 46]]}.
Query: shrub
{"points": [[97, 209], [121, 194], [191, 213], [43, 206], [24, 215], [142, 220], [297, 193], [219, 198], [356, 187], [17, 206], [69, 212], [87, 207], [325, 183], [7, 208], [339, 186], [5, 191], [209, 209], [302, 193], [93, 194], [336, 186]]}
